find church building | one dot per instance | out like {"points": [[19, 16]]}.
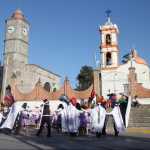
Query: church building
{"points": [[15, 59], [113, 74]]}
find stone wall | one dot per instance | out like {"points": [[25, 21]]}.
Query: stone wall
{"points": [[38, 93], [32, 73]]}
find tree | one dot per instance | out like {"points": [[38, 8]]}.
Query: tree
{"points": [[84, 78], [126, 58]]}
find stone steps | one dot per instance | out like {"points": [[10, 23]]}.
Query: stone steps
{"points": [[141, 110], [139, 125], [140, 117], [140, 121]]}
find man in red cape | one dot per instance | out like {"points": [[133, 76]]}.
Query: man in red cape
{"points": [[8, 98]]}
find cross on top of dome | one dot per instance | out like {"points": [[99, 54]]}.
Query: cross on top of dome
{"points": [[108, 12]]}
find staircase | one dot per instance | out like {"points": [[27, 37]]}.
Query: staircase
{"points": [[140, 116]]}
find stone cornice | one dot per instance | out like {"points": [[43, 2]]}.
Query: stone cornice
{"points": [[16, 40]]}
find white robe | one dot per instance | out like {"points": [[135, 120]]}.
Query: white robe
{"points": [[1, 117], [64, 117], [98, 115], [9, 122], [64, 120], [118, 119], [73, 118]]}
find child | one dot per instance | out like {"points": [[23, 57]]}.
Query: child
{"points": [[25, 118]]}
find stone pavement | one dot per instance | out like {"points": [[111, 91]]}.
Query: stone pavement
{"points": [[64, 142], [140, 132]]}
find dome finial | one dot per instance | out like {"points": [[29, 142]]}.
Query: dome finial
{"points": [[18, 15]]}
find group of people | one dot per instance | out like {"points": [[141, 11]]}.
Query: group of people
{"points": [[71, 117], [76, 119]]}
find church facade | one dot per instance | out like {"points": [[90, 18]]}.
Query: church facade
{"points": [[15, 59], [113, 74]]}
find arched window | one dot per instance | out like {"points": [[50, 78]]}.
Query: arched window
{"points": [[47, 86], [54, 89], [108, 39], [108, 59]]}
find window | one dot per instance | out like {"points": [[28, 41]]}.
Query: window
{"points": [[108, 39], [47, 86], [108, 59]]}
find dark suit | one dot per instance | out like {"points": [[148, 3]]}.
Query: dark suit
{"points": [[45, 119]]}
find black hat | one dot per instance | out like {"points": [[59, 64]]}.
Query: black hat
{"points": [[45, 100], [8, 87], [24, 105]]}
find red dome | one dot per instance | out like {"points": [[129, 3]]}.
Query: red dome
{"points": [[137, 58], [18, 15]]}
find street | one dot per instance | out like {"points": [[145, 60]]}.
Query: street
{"points": [[65, 142]]}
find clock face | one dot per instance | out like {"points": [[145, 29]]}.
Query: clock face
{"points": [[24, 31], [11, 29]]}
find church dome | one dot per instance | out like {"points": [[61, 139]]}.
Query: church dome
{"points": [[18, 15], [137, 58]]}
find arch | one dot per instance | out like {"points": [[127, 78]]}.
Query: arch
{"points": [[108, 58], [108, 39], [54, 89], [47, 86]]}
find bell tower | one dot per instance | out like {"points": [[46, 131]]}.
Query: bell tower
{"points": [[16, 45], [109, 43]]}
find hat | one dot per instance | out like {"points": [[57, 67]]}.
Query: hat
{"points": [[45, 100], [73, 101], [64, 98], [8, 87], [24, 105], [99, 99]]}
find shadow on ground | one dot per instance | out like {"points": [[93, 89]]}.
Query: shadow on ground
{"points": [[65, 142]]}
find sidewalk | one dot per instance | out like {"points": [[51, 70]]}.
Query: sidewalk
{"points": [[138, 132]]}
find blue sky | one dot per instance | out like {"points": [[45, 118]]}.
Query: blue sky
{"points": [[64, 33]]}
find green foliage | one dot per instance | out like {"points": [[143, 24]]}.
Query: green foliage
{"points": [[126, 58], [84, 78]]}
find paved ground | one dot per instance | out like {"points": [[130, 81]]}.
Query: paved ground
{"points": [[128, 141]]}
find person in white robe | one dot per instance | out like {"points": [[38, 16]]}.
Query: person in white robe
{"points": [[59, 119], [11, 118], [118, 119], [98, 114], [64, 119], [64, 113], [113, 110], [73, 119]]}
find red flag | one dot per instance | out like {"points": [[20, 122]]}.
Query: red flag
{"points": [[93, 94]]}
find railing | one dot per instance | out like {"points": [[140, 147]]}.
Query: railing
{"points": [[127, 115]]}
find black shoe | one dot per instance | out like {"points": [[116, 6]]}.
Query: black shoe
{"points": [[116, 133], [98, 134], [104, 133]]}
